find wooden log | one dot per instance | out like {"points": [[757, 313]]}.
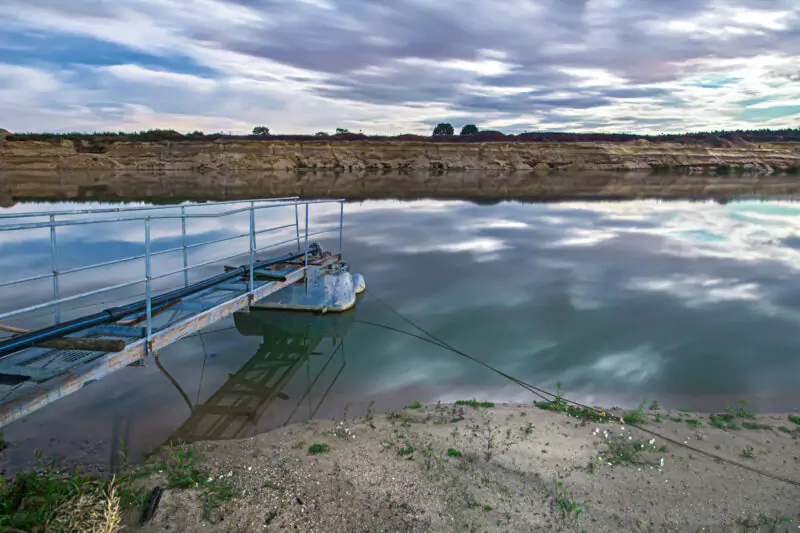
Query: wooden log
{"points": [[88, 344], [265, 274], [71, 343]]}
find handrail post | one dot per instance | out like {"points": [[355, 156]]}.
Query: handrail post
{"points": [[305, 271], [148, 345], [54, 264], [255, 235], [185, 250], [252, 251], [341, 224], [297, 224]]}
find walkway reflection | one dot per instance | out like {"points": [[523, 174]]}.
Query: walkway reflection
{"points": [[290, 341]]}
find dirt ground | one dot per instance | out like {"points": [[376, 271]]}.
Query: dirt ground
{"points": [[502, 468]]}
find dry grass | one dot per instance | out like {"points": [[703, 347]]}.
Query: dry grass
{"points": [[92, 512]]}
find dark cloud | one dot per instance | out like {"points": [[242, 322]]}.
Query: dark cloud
{"points": [[362, 47]]}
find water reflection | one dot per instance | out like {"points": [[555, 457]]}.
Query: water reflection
{"points": [[694, 304], [289, 342]]}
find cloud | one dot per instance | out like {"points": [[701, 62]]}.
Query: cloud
{"points": [[393, 66]]}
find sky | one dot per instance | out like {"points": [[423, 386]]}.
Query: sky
{"points": [[391, 66]]}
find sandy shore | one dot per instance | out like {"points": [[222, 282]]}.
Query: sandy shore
{"points": [[501, 468]]}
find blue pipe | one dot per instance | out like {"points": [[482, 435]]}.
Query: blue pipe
{"points": [[31, 339]]}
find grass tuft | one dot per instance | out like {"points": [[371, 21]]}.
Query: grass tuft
{"points": [[794, 419], [315, 449], [452, 452], [620, 450], [562, 501], [405, 450], [475, 403], [755, 425], [635, 416], [52, 499], [415, 405]]}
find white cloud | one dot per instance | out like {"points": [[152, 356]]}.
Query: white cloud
{"points": [[555, 68]]}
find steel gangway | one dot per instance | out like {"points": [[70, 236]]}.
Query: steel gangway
{"points": [[45, 356]]}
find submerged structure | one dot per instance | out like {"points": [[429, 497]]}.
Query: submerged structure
{"points": [[48, 355]]}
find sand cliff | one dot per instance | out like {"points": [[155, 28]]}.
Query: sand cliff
{"points": [[199, 156]]}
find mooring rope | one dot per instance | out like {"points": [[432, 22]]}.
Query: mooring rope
{"points": [[540, 392]]}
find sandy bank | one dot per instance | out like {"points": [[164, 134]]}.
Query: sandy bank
{"points": [[265, 155], [463, 468]]}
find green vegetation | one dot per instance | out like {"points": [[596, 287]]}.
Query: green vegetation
{"points": [[443, 128], [53, 499], [315, 449], [654, 406], [794, 419], [748, 452], [635, 416], [475, 403], [562, 501], [213, 494], [452, 452], [784, 429], [488, 508], [755, 425], [261, 130], [469, 129], [560, 405], [686, 410], [415, 405], [405, 450], [454, 420], [740, 410], [49, 498], [676, 419], [657, 418], [621, 450], [693, 423]]}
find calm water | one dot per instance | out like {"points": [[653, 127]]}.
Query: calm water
{"points": [[693, 304]]}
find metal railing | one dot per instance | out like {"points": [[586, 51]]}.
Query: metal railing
{"points": [[57, 219]]}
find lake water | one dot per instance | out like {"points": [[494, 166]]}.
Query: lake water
{"points": [[694, 304]]}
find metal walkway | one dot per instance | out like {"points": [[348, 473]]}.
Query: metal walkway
{"points": [[39, 367]]}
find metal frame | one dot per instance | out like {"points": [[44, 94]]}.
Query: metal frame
{"points": [[154, 338], [19, 406], [252, 206]]}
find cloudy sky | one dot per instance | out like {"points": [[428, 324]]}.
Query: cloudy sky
{"points": [[391, 66]]}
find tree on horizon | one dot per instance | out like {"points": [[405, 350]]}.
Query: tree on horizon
{"points": [[261, 130], [469, 129], [443, 128]]}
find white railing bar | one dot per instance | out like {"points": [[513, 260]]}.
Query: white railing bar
{"points": [[69, 299], [79, 222], [273, 245], [323, 231], [204, 263], [24, 280], [135, 208], [142, 256]]}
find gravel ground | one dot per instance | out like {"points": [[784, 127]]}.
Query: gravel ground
{"points": [[502, 468]]}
